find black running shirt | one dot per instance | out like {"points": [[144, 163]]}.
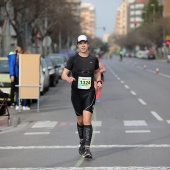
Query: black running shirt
{"points": [[82, 69]]}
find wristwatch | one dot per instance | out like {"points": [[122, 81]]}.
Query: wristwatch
{"points": [[99, 81]]}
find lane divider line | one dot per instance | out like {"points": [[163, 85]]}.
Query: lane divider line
{"points": [[156, 116], [133, 93], [142, 102]]}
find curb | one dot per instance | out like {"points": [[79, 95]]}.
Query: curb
{"points": [[14, 121]]}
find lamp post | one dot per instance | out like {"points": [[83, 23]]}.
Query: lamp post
{"points": [[153, 5]]}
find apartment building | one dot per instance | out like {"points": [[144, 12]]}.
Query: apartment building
{"points": [[121, 19], [88, 19], [135, 14], [75, 5], [166, 6]]}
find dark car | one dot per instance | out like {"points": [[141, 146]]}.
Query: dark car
{"points": [[54, 75]]}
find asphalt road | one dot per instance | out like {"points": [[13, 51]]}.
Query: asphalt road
{"points": [[131, 124]]}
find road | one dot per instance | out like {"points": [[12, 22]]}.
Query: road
{"points": [[131, 124]]}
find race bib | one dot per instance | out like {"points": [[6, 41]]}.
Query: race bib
{"points": [[84, 82]]}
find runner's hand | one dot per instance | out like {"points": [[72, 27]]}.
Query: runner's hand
{"points": [[99, 85], [71, 79]]}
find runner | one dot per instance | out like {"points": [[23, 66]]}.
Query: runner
{"points": [[98, 90], [84, 69]]}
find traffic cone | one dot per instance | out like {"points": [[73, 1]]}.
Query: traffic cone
{"points": [[157, 70]]}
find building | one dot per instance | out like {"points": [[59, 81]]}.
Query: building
{"points": [[135, 12], [166, 7], [88, 19], [121, 26], [75, 5]]}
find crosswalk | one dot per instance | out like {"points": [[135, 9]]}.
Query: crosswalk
{"points": [[130, 126]]}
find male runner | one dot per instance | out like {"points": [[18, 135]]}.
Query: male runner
{"points": [[84, 69]]}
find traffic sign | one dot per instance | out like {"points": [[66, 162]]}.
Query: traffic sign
{"points": [[47, 41]]}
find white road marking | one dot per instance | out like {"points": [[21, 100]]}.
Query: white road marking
{"points": [[118, 78], [92, 146], [168, 121], [164, 75], [137, 131], [126, 86], [156, 116], [135, 123], [93, 168], [96, 123], [93, 132], [142, 102], [37, 133], [45, 124], [122, 82], [133, 93]]}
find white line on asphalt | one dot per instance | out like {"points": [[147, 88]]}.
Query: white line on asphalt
{"points": [[168, 121], [96, 123], [126, 86], [150, 71], [142, 102], [133, 93], [37, 133], [135, 123], [164, 75], [92, 146], [93, 168], [45, 124], [93, 132], [137, 131], [122, 82], [156, 116]]}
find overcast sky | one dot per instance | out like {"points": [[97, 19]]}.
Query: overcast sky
{"points": [[106, 11]]}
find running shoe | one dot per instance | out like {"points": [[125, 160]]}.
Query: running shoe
{"points": [[97, 100], [12, 105], [81, 149], [87, 154], [26, 108]]}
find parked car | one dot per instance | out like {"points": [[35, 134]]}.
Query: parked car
{"points": [[60, 60], [5, 82], [168, 58], [44, 76], [54, 75], [142, 54], [63, 56]]}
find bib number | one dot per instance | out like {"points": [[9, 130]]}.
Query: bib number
{"points": [[84, 82]]}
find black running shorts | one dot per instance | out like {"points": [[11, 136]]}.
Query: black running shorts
{"points": [[83, 101]]}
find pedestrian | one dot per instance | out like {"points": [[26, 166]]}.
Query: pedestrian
{"points": [[14, 72], [102, 71], [84, 69], [121, 55], [13, 61]]}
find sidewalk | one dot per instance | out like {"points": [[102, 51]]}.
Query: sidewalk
{"points": [[14, 120]]}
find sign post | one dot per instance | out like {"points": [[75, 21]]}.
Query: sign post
{"points": [[29, 77]]}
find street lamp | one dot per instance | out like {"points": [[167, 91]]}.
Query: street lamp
{"points": [[153, 5]]}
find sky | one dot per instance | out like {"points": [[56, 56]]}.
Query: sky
{"points": [[106, 11]]}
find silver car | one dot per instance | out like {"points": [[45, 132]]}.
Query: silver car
{"points": [[60, 61], [44, 77], [168, 58]]}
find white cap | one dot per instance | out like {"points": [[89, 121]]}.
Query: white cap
{"points": [[82, 38]]}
